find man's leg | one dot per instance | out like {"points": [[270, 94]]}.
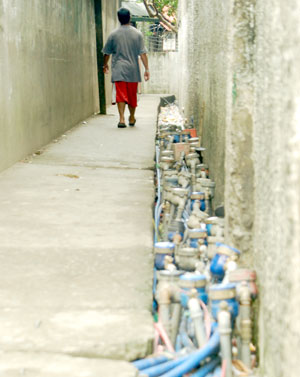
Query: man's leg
{"points": [[132, 112], [132, 101], [121, 108]]}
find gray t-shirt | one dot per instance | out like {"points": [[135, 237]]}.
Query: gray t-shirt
{"points": [[125, 44]]}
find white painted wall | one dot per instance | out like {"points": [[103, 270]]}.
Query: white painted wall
{"points": [[165, 73]]}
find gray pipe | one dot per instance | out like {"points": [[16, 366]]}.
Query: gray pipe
{"points": [[164, 316], [225, 336], [175, 321], [171, 215], [198, 320], [245, 323], [181, 206], [169, 294], [193, 164]]}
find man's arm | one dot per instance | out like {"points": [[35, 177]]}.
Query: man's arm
{"points": [[105, 63], [144, 59]]}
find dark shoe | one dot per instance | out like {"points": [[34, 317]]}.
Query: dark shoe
{"points": [[121, 125], [132, 124]]}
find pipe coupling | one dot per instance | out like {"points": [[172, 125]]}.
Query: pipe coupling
{"points": [[164, 295], [245, 294], [246, 330]]}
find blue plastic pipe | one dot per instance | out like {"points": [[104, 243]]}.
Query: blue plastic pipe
{"points": [[147, 363], [217, 372], [193, 361], [207, 368], [162, 368]]}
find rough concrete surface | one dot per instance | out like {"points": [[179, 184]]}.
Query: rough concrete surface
{"points": [[76, 245], [187, 90], [203, 49], [248, 59], [48, 80], [45, 365], [239, 188], [276, 149]]}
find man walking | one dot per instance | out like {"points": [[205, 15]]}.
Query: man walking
{"points": [[125, 44]]}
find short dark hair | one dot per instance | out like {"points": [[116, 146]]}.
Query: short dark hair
{"points": [[124, 16]]}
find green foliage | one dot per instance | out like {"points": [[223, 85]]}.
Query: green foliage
{"points": [[172, 4], [148, 33], [160, 4]]}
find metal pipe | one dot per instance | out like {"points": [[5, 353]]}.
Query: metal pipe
{"points": [[164, 302], [224, 321], [193, 164], [166, 220], [181, 206], [171, 215], [198, 319], [175, 321], [168, 294], [245, 323]]}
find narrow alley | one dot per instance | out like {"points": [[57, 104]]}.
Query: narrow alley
{"points": [[170, 248]]}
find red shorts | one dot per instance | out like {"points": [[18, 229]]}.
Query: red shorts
{"points": [[126, 92]]}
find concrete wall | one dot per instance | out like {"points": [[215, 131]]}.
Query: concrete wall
{"points": [[239, 128], [164, 73], [263, 165], [250, 83], [276, 153], [48, 79], [203, 93]]}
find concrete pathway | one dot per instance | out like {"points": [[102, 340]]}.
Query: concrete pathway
{"points": [[76, 252]]}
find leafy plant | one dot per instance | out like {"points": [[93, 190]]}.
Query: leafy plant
{"points": [[162, 9], [172, 6]]}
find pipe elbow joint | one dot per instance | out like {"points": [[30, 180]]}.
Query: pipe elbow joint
{"points": [[224, 319], [176, 294], [164, 295], [181, 203], [194, 307]]}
